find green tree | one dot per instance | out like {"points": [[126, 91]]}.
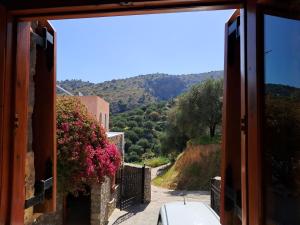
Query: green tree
{"points": [[132, 124], [120, 124], [143, 143], [148, 125], [201, 108], [136, 148], [193, 114], [139, 131], [154, 116], [132, 157], [128, 143], [131, 135]]}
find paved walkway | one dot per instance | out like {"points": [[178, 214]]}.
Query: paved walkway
{"points": [[147, 214]]}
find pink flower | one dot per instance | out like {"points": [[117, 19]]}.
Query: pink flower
{"points": [[84, 152], [65, 127]]}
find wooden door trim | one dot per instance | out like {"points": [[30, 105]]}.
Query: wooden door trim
{"points": [[244, 113], [20, 125], [254, 108], [231, 149], [83, 9], [6, 49]]}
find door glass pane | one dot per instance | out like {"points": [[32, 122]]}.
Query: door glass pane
{"points": [[282, 121]]}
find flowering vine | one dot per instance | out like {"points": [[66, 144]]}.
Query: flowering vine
{"points": [[84, 154]]}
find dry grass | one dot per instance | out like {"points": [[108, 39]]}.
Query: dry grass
{"points": [[193, 169]]}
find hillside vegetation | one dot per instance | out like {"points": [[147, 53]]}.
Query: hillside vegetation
{"points": [[143, 127], [193, 169], [195, 117], [129, 93]]}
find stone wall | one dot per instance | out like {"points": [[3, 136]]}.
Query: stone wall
{"points": [[147, 185], [100, 198], [115, 197], [51, 218], [117, 138], [103, 202]]}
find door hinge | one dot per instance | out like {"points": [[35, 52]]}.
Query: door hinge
{"points": [[16, 121], [42, 192], [43, 39], [244, 124], [46, 42]]}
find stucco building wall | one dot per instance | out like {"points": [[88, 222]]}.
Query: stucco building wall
{"points": [[98, 108]]}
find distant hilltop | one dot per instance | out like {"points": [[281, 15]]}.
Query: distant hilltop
{"points": [[129, 93]]}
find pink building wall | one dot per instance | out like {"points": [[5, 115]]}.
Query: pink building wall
{"points": [[98, 108]]}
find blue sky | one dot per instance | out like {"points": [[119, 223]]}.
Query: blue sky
{"points": [[282, 51], [101, 49]]}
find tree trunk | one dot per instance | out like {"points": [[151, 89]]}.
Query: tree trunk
{"points": [[212, 130]]}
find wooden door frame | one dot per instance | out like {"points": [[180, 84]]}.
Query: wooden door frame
{"points": [[255, 98], [6, 109], [252, 180], [15, 213]]}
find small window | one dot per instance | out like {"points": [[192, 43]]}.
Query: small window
{"points": [[100, 118], [159, 222]]}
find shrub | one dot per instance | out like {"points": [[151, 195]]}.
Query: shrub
{"points": [[131, 135], [154, 116], [120, 124], [135, 148], [143, 143], [133, 157], [148, 125], [139, 119], [156, 161], [128, 143], [84, 155], [139, 131], [132, 124]]}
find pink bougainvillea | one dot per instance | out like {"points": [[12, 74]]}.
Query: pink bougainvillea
{"points": [[85, 155]]}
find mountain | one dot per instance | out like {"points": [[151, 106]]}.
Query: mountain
{"points": [[284, 91], [126, 94]]}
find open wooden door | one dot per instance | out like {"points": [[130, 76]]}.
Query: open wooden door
{"points": [[233, 210], [34, 120], [273, 67], [44, 115]]}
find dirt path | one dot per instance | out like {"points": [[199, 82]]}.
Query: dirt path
{"points": [[147, 214]]}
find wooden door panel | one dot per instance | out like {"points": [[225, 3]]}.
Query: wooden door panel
{"points": [[44, 116], [231, 134], [20, 124]]}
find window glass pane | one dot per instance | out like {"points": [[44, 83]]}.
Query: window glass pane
{"points": [[282, 121]]}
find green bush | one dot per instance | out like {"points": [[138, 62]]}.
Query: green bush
{"points": [[120, 124], [154, 116], [136, 148], [132, 157], [156, 161], [128, 143], [139, 131], [132, 136], [143, 143], [132, 124], [148, 125]]}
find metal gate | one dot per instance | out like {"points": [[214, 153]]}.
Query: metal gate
{"points": [[131, 181]]}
